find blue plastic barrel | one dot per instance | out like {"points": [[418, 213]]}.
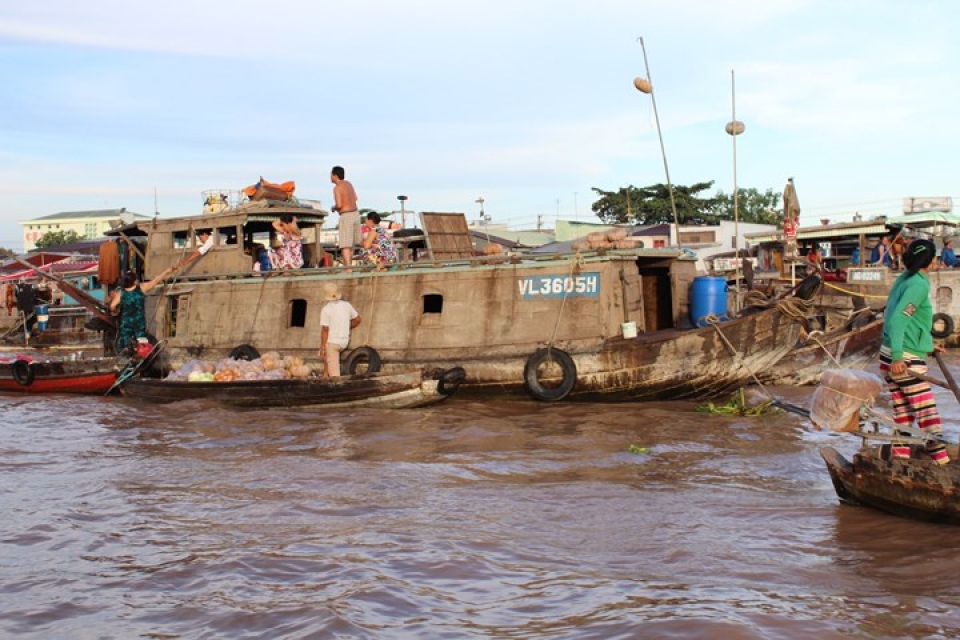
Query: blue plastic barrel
{"points": [[708, 297], [43, 317]]}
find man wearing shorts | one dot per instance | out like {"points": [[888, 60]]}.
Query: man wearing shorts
{"points": [[345, 203]]}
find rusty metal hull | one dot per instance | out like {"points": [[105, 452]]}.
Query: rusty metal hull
{"points": [[919, 489], [803, 365]]}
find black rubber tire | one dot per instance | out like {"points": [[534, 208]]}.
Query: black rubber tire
{"points": [[22, 372], [946, 324], [809, 286], [245, 352], [449, 381], [362, 356], [531, 375]]}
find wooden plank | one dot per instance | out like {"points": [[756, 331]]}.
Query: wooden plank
{"points": [[447, 234]]}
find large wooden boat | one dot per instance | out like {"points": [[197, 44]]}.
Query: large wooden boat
{"points": [[389, 391], [849, 347], [61, 375], [551, 325], [914, 488]]}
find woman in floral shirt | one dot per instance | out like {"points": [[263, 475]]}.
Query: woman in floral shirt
{"points": [[377, 245]]}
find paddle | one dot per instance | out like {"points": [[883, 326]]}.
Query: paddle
{"points": [[947, 375]]}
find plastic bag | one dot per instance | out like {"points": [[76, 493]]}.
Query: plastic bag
{"points": [[837, 400]]}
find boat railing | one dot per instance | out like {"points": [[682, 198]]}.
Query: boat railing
{"points": [[400, 267]]}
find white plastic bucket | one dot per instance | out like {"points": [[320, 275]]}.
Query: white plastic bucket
{"points": [[629, 329]]}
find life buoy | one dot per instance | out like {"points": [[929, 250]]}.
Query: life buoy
{"points": [[531, 375], [361, 356], [245, 352], [945, 324], [449, 381], [22, 372]]}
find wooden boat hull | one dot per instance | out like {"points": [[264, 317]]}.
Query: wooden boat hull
{"points": [[919, 489], [93, 376], [695, 363], [397, 391], [803, 365]]}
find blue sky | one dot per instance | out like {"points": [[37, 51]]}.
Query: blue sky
{"points": [[528, 103]]}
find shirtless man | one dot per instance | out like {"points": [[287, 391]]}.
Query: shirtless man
{"points": [[345, 203]]}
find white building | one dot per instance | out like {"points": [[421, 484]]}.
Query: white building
{"points": [[86, 224]]}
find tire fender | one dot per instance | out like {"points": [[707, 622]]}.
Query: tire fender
{"points": [[22, 372], [449, 380], [245, 352], [946, 324], [362, 356], [531, 375]]}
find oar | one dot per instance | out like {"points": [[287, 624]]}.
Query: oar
{"points": [[947, 375]]}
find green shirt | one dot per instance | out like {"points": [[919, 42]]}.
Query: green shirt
{"points": [[909, 317]]}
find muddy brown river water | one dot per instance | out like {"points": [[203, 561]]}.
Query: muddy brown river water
{"points": [[471, 519]]}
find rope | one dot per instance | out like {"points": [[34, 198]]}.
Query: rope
{"points": [[853, 293], [575, 262], [738, 360]]}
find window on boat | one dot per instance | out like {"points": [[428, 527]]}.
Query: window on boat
{"points": [[180, 239], [298, 312], [433, 303], [177, 308], [227, 235]]}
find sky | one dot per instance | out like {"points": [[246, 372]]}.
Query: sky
{"points": [[527, 104]]}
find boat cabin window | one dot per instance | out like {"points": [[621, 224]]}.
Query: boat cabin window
{"points": [[227, 235], [432, 303], [180, 239], [177, 308], [298, 312]]}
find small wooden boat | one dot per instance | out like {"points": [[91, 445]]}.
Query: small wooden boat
{"points": [[853, 348], [389, 391], [913, 488], [90, 375]]}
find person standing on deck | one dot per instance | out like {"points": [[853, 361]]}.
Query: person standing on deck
{"points": [[906, 342], [128, 301], [337, 319], [345, 203], [948, 257], [880, 256]]}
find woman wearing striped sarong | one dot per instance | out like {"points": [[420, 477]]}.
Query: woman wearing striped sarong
{"points": [[906, 341]]}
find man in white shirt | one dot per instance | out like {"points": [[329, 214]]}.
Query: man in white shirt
{"points": [[337, 319], [205, 240]]}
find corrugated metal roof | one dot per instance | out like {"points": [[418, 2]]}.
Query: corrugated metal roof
{"points": [[874, 227]]}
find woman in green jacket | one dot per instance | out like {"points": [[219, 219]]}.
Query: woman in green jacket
{"points": [[906, 342]]}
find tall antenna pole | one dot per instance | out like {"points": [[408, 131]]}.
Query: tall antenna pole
{"points": [[735, 128], [649, 86]]}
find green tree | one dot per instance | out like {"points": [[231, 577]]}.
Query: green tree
{"points": [[752, 206], [651, 205], [57, 238]]}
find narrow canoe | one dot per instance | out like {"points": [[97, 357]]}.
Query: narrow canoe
{"points": [[92, 375], [394, 391], [914, 488]]}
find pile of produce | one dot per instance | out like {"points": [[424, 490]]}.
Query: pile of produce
{"points": [[269, 366]]}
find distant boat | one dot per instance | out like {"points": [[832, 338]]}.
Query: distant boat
{"points": [[90, 375], [853, 347]]}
